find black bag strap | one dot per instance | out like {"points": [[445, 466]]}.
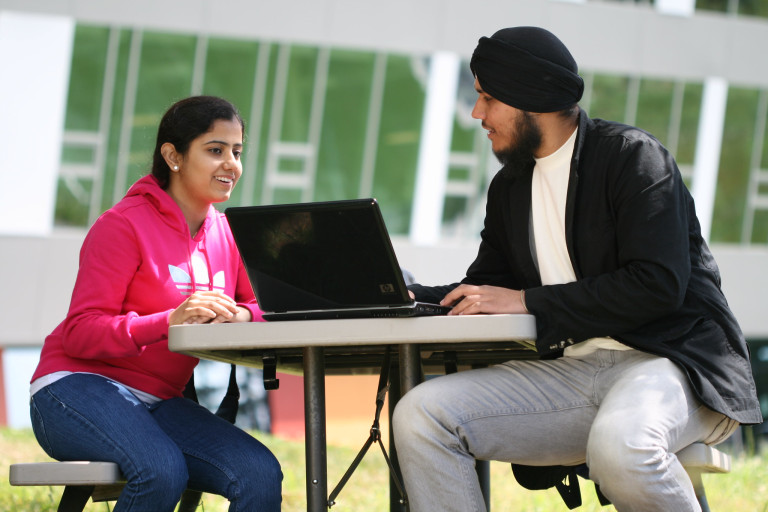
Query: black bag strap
{"points": [[569, 489], [583, 471], [231, 402], [374, 437]]}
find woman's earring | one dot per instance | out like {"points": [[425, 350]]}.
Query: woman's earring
{"points": [[175, 167]]}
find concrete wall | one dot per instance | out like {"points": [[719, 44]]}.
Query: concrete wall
{"points": [[619, 37]]}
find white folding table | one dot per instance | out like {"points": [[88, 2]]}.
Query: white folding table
{"points": [[353, 346]]}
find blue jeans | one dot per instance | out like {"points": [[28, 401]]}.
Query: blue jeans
{"points": [[161, 449], [624, 413]]}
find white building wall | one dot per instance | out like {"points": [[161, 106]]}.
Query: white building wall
{"points": [[35, 56]]}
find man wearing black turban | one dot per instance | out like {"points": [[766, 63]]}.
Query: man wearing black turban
{"points": [[590, 228]]}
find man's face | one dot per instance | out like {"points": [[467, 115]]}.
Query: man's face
{"points": [[515, 135]]}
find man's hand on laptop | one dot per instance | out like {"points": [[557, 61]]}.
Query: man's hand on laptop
{"points": [[472, 300]]}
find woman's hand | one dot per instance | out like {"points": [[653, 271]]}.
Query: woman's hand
{"points": [[208, 307], [243, 315]]}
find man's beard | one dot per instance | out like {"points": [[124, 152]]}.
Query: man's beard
{"points": [[518, 157]]}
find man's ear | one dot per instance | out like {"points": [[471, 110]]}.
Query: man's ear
{"points": [[172, 158]]}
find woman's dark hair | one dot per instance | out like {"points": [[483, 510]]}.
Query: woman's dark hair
{"points": [[185, 121]]}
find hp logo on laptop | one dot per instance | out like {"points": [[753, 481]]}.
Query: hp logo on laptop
{"points": [[387, 288]]}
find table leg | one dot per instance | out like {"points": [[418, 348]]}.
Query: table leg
{"points": [[395, 504], [409, 372], [410, 367], [483, 470], [410, 376], [314, 429]]}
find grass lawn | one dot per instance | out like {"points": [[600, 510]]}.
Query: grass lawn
{"points": [[744, 489]]}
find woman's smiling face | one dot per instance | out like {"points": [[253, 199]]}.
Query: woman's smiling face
{"points": [[211, 167]]}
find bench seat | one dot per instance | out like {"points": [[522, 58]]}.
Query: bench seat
{"points": [[102, 481], [83, 480]]}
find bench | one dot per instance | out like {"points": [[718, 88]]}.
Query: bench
{"points": [[83, 480], [102, 481], [698, 459]]}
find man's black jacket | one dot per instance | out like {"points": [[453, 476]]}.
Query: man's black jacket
{"points": [[644, 274]]}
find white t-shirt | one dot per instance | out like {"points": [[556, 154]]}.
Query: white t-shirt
{"points": [[549, 190], [45, 380]]}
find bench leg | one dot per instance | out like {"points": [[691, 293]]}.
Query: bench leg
{"points": [[74, 498], [698, 487], [189, 501]]}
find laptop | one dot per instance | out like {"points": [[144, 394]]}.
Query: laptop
{"points": [[318, 260]]}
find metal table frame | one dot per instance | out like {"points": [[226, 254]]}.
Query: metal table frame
{"points": [[320, 347]]}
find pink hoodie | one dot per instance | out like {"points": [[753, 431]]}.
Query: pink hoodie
{"points": [[137, 264]]}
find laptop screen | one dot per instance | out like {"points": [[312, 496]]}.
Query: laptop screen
{"points": [[318, 255]]}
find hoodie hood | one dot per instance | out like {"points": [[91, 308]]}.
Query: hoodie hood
{"points": [[168, 211], [137, 264]]}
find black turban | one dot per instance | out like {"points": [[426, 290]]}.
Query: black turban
{"points": [[527, 68]]}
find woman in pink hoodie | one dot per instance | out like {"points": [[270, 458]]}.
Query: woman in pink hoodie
{"points": [[107, 388]]}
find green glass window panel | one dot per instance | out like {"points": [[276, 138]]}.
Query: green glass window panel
{"points": [[165, 73], [654, 108], [609, 97], [342, 142], [82, 114], [291, 165], [465, 127], [287, 196], [760, 228], [86, 77], [165, 76], [454, 208], [71, 210], [753, 8], [463, 139], [689, 122], [298, 94], [760, 222], [740, 7], [733, 175], [764, 122], [713, 5], [399, 137], [108, 196], [464, 132], [77, 154], [230, 73], [264, 113], [459, 173]]}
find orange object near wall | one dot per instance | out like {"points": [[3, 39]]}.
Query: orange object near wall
{"points": [[286, 407], [350, 404]]}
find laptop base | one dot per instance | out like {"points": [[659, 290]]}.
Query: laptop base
{"points": [[417, 309]]}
